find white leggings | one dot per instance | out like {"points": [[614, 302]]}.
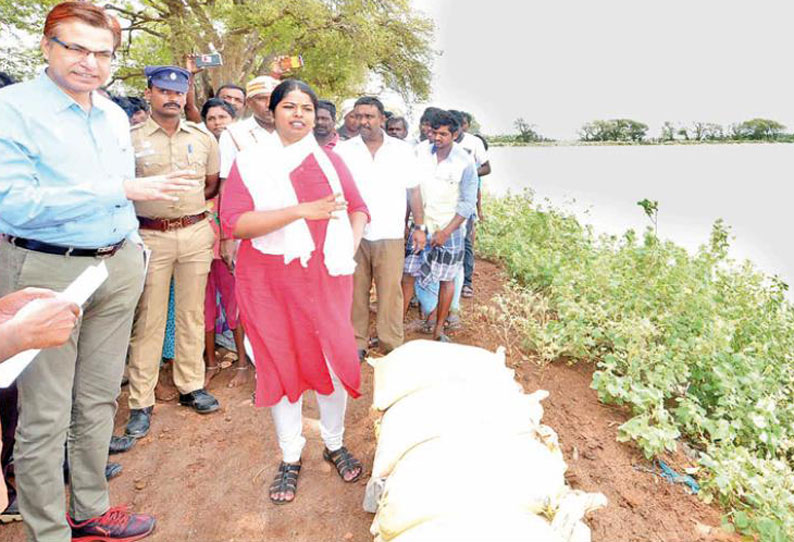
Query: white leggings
{"points": [[288, 419]]}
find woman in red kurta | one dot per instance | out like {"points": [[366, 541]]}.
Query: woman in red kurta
{"points": [[300, 216]]}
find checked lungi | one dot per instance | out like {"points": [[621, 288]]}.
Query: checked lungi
{"points": [[436, 264]]}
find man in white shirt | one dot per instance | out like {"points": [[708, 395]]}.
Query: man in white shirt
{"points": [[449, 192], [383, 167], [252, 130]]}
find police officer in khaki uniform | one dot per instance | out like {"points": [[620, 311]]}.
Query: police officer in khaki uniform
{"points": [[180, 238]]}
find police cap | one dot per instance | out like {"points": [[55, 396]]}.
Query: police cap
{"points": [[167, 77]]}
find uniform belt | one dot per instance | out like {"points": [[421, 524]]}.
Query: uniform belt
{"points": [[39, 246], [168, 224]]}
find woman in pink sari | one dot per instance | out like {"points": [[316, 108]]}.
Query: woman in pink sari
{"points": [[300, 216]]}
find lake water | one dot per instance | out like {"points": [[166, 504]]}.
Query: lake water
{"points": [[749, 186]]}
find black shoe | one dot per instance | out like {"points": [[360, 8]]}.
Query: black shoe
{"points": [[11, 513], [362, 355], [120, 445], [112, 470], [200, 401], [139, 423]]}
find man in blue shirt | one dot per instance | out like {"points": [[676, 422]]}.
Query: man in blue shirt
{"points": [[66, 181]]}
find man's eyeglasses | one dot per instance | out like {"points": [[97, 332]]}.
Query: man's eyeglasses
{"points": [[81, 53]]}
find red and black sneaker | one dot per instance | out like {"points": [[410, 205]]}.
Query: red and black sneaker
{"points": [[115, 525]]}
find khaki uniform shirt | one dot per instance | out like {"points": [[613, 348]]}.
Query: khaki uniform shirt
{"points": [[157, 153]]}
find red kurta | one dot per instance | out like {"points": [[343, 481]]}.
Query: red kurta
{"points": [[295, 317]]}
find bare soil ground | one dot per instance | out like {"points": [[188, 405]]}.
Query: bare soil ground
{"points": [[206, 477]]}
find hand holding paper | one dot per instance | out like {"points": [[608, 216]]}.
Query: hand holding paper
{"points": [[36, 318], [44, 322], [12, 303]]}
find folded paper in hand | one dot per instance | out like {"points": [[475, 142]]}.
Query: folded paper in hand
{"points": [[78, 292]]}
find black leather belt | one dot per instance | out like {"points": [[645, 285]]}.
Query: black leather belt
{"points": [[39, 246]]}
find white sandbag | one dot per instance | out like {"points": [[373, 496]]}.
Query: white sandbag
{"points": [[377, 483], [571, 509], [450, 408], [547, 436], [373, 493], [479, 527], [461, 476], [581, 533], [421, 364]]}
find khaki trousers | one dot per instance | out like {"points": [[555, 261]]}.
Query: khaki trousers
{"points": [[185, 254], [382, 261], [69, 393]]}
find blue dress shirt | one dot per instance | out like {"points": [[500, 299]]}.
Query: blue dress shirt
{"points": [[61, 169]]}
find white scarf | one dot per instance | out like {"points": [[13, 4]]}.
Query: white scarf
{"points": [[265, 169]]}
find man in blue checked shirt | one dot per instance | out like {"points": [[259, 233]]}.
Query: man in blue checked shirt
{"points": [[66, 185]]}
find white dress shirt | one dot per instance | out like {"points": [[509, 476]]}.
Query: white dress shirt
{"points": [[382, 181]]}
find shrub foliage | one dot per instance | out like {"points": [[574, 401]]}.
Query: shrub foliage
{"points": [[698, 346]]}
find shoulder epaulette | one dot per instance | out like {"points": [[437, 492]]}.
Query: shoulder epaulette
{"points": [[200, 127]]}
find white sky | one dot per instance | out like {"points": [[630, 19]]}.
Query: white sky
{"points": [[561, 63]]}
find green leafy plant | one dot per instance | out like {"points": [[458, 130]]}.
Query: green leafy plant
{"points": [[651, 209], [697, 346]]}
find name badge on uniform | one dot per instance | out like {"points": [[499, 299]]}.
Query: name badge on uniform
{"points": [[143, 153]]}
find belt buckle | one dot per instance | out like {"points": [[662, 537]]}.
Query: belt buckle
{"points": [[106, 252], [173, 224]]}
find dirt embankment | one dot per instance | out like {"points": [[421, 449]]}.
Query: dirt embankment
{"points": [[206, 478]]}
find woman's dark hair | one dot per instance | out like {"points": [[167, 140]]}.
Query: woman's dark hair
{"points": [[287, 86], [328, 106], [444, 118], [216, 102]]}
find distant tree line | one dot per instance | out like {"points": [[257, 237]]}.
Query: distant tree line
{"points": [[627, 130], [632, 131], [527, 133], [613, 130], [751, 130]]}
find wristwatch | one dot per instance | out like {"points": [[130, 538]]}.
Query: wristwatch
{"points": [[421, 227]]}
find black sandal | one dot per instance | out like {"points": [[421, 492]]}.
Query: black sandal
{"points": [[285, 481], [344, 463]]}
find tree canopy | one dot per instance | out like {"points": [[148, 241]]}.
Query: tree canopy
{"points": [[526, 131], [757, 129], [613, 130], [342, 42]]}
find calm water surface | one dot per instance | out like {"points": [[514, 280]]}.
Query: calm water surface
{"points": [[749, 186]]}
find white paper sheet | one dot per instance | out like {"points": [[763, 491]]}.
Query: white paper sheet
{"points": [[78, 292]]}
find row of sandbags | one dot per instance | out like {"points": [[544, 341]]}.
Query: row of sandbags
{"points": [[462, 454]]}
